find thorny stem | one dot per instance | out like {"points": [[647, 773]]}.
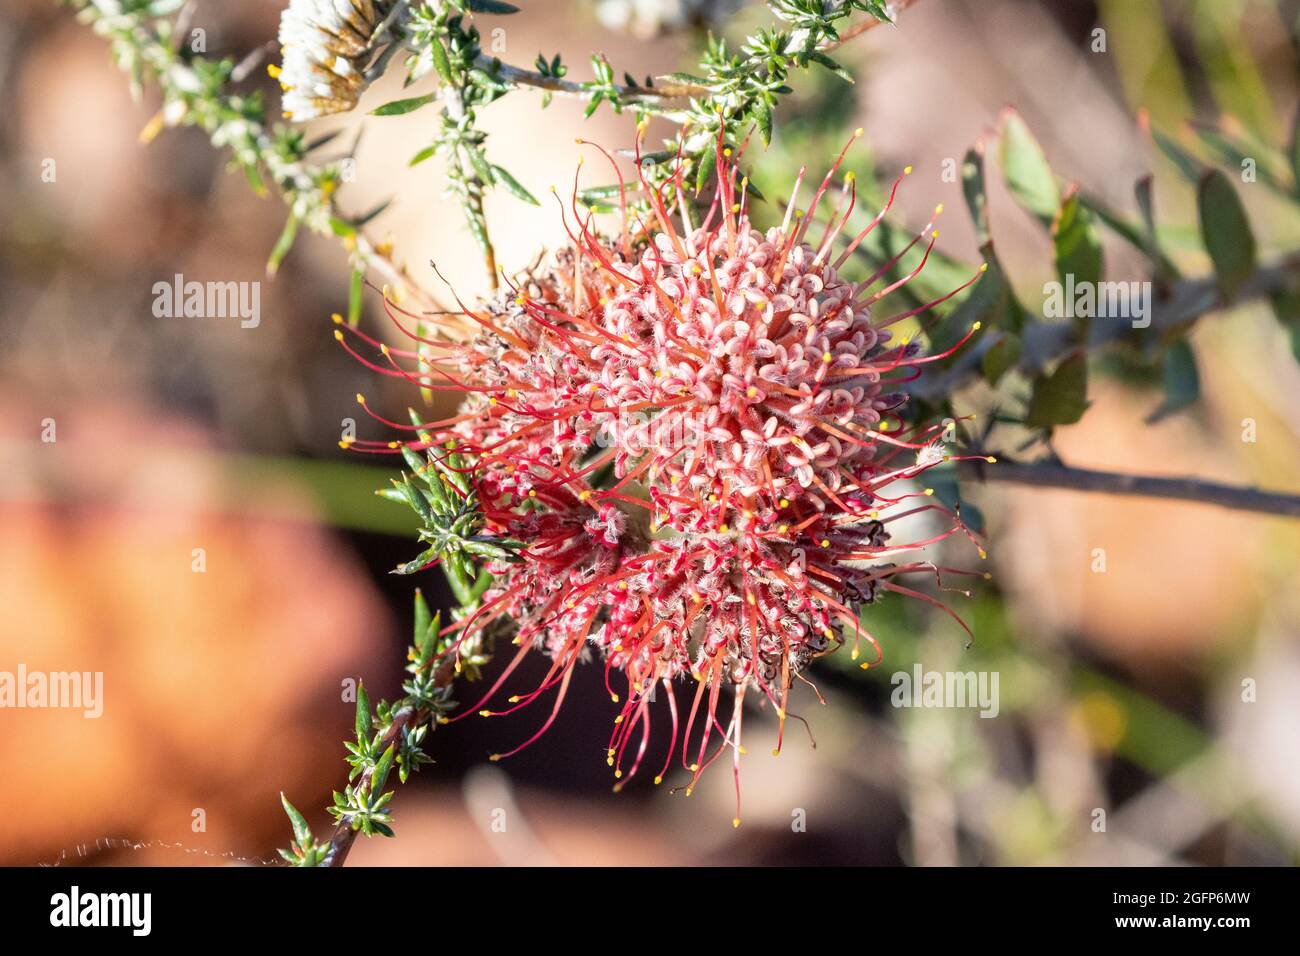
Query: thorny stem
{"points": [[1047, 474], [344, 835]]}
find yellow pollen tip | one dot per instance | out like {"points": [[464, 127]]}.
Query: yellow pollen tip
{"points": [[938, 210], [727, 152], [394, 444], [614, 698], [983, 554], [383, 349], [783, 503], [776, 751], [658, 780], [976, 327], [514, 699], [532, 493], [695, 768], [444, 720], [991, 460], [735, 207], [907, 170], [984, 267], [273, 70], [935, 234], [735, 821], [751, 392], [783, 529], [618, 774], [361, 399], [827, 357], [492, 400], [854, 654], [850, 177], [826, 542], [336, 319], [345, 444], [494, 758], [857, 132], [865, 665], [723, 529], [338, 336], [689, 791], [618, 719], [929, 492], [988, 575]]}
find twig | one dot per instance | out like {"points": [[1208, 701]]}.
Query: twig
{"points": [[898, 6], [1054, 475], [344, 835]]}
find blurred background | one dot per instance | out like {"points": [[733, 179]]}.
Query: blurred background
{"points": [[1161, 690]]}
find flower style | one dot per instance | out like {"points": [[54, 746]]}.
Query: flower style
{"points": [[326, 46], [692, 435]]}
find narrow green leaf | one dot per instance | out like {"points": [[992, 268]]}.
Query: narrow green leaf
{"points": [[511, 185], [818, 57], [356, 292], [363, 713], [422, 155], [705, 166], [763, 118], [1025, 169], [438, 54], [1225, 231], [302, 834], [282, 245], [399, 107], [382, 767]]}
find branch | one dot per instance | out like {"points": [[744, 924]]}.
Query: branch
{"points": [[1048, 474]]}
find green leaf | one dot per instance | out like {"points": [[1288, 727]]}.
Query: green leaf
{"points": [[282, 245], [1001, 357], [1078, 247], [399, 107], [356, 291], [382, 768], [440, 62], [302, 834], [1060, 398], [818, 57], [972, 186], [1182, 381], [492, 6], [511, 185], [704, 167], [422, 155], [1226, 232], [363, 714], [1025, 169], [763, 118], [422, 618]]}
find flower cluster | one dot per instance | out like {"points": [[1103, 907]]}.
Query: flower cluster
{"points": [[326, 46], [692, 433]]}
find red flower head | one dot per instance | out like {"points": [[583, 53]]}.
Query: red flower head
{"points": [[692, 432]]}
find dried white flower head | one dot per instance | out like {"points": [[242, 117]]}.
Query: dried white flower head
{"points": [[326, 45]]}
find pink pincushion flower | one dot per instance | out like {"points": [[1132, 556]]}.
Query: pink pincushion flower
{"points": [[691, 434]]}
